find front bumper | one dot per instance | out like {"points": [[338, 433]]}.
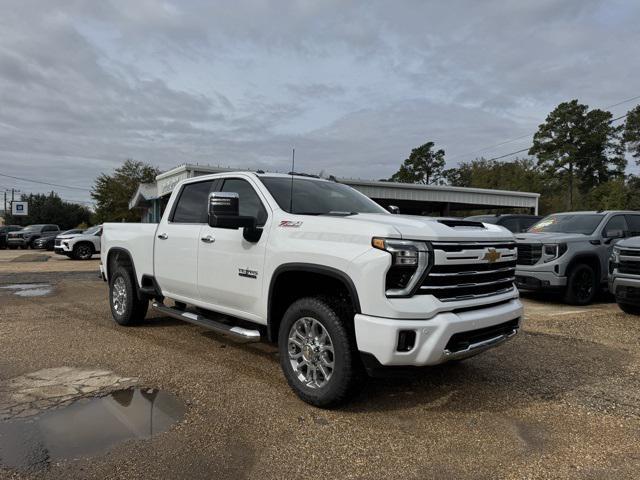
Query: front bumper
{"points": [[538, 280], [16, 242], [379, 336], [625, 288], [62, 249]]}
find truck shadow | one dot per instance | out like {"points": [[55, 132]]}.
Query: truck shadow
{"points": [[533, 368]]}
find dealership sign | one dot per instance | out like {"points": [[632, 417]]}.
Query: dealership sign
{"points": [[19, 208]]}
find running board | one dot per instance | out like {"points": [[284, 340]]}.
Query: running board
{"points": [[239, 333]]}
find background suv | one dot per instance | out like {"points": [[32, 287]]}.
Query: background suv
{"points": [[24, 238], [513, 222], [570, 252], [82, 246], [4, 230]]}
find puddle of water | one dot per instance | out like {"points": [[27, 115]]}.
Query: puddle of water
{"points": [[87, 427], [30, 289]]}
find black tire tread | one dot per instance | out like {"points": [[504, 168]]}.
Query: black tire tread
{"points": [[569, 296], [629, 308], [336, 311], [136, 308]]}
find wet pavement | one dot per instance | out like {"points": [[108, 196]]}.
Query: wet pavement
{"points": [[86, 427], [562, 400]]}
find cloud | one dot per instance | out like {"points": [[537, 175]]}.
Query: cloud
{"points": [[352, 85]]}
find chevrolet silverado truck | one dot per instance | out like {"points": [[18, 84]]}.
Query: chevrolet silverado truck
{"points": [[569, 252], [341, 285], [624, 275]]}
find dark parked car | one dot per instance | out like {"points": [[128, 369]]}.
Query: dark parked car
{"points": [[45, 242], [24, 238], [4, 230], [513, 222]]}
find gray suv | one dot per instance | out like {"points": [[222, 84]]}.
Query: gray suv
{"points": [[570, 252], [624, 275]]}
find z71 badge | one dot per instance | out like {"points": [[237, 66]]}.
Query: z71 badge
{"points": [[245, 272]]}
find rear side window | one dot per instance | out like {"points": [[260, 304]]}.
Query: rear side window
{"points": [[634, 225], [249, 201], [192, 203]]}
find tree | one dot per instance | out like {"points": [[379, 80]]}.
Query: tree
{"points": [[424, 165], [113, 192], [577, 144], [632, 133], [50, 208]]}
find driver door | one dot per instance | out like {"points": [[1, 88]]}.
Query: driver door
{"points": [[230, 268]]}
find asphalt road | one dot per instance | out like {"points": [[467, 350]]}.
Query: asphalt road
{"points": [[562, 400]]}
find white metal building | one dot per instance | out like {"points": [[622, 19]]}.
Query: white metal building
{"points": [[442, 200]]}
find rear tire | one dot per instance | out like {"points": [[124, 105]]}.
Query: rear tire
{"points": [[582, 285], [318, 355], [126, 308], [630, 309]]}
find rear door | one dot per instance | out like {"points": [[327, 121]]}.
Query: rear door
{"points": [[176, 244], [230, 274]]}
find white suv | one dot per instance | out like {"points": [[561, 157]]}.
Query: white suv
{"points": [[80, 246]]}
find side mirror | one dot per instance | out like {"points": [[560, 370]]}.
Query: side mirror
{"points": [[394, 209], [224, 212]]}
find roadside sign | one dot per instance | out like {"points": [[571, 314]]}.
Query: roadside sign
{"points": [[19, 208]]}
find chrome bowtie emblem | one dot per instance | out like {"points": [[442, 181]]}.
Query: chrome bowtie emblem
{"points": [[492, 255]]}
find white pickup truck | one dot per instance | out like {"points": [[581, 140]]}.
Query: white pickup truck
{"points": [[343, 286]]}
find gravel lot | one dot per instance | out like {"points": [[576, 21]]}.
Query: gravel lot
{"points": [[562, 400]]}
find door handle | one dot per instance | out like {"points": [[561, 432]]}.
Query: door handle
{"points": [[208, 239], [163, 236]]}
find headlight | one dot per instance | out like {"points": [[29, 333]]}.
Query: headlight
{"points": [[614, 259], [553, 251], [409, 261]]}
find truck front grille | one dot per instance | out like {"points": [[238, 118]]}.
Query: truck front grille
{"points": [[529, 253], [462, 271]]}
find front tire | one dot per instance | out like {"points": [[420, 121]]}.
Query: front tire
{"points": [[582, 285], [630, 309], [317, 351], [83, 251], [126, 308]]}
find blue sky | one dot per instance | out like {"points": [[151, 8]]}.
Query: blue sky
{"points": [[352, 85]]}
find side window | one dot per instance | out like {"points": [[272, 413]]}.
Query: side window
{"points": [[250, 203], [634, 225], [512, 224], [191, 206], [615, 223], [49, 228]]}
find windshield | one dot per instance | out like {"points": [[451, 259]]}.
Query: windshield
{"points": [[312, 197], [31, 228], [92, 230], [567, 223]]}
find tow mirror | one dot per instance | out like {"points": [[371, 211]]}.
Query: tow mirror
{"points": [[394, 209], [224, 212]]}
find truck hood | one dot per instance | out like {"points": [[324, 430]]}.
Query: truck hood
{"points": [[431, 228], [550, 237], [633, 242]]}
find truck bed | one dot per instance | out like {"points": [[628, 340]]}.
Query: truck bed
{"points": [[135, 238]]}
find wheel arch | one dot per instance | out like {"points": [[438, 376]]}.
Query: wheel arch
{"points": [[285, 287], [590, 259], [120, 256]]}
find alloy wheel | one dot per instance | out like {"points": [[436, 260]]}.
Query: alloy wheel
{"points": [[311, 352], [119, 296]]}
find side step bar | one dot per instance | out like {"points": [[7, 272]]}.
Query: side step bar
{"points": [[239, 333]]}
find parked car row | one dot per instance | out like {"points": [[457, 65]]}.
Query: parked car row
{"points": [[76, 243], [578, 254]]}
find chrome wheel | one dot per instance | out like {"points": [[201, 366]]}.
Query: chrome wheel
{"points": [[311, 352], [119, 296]]}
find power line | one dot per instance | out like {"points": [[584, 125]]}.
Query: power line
{"points": [[44, 183], [527, 149], [531, 134]]}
